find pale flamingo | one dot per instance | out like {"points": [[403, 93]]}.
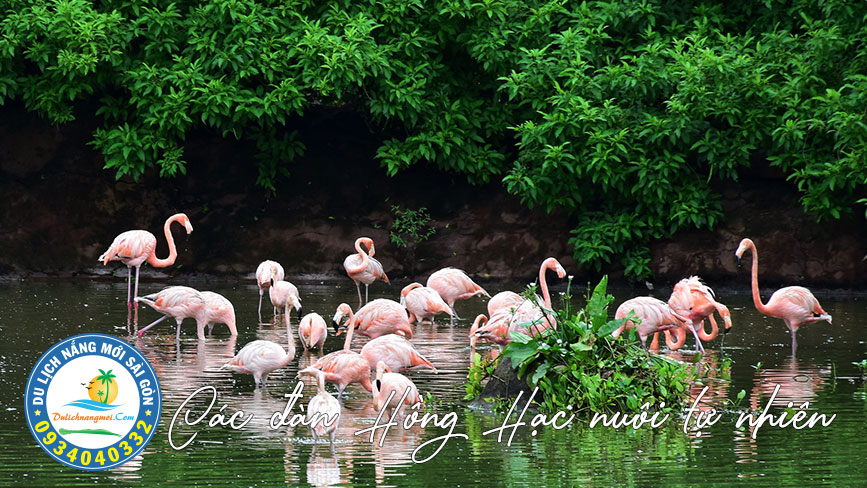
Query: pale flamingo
{"points": [[794, 304], [261, 358], [345, 366], [363, 268], [312, 331], [328, 409], [504, 299], [388, 382], [453, 284], [395, 351], [219, 310], [529, 312], [178, 302], [135, 247], [267, 272], [494, 332], [380, 317], [423, 303], [284, 295], [654, 316]]}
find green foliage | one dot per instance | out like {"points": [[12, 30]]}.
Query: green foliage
{"points": [[480, 370], [627, 114], [580, 366], [410, 225]]}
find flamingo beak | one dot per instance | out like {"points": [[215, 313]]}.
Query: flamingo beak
{"points": [[299, 314], [336, 327], [378, 384], [189, 227]]}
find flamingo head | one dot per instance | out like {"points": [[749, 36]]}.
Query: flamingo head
{"points": [[554, 265], [408, 288], [342, 312], [186, 221], [742, 248]]}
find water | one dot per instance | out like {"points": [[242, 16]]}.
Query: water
{"points": [[35, 315]]}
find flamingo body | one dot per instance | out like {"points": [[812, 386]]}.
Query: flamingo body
{"points": [[388, 382], [363, 268], [266, 272], [380, 317], [654, 314], [453, 284], [313, 331], [219, 310], [178, 302], [261, 358], [423, 302], [395, 351], [327, 407], [504, 299], [284, 295]]}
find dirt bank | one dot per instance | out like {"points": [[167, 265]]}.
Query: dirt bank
{"points": [[60, 210]]}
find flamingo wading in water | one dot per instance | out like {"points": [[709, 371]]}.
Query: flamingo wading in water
{"points": [[696, 302], [387, 383], [395, 351], [423, 303], [654, 315], [261, 358], [267, 272], [363, 268], [178, 302], [796, 305], [453, 284], [323, 411], [219, 310], [312, 331], [284, 295], [135, 247], [380, 317], [345, 366]]}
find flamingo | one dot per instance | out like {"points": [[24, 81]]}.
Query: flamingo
{"points": [[363, 268], [218, 310], [345, 366], [283, 295], [395, 351], [380, 317], [328, 409], [266, 272], [453, 284], [696, 301], [796, 305], [261, 358], [312, 331], [135, 247], [504, 299], [423, 302], [388, 382], [529, 312], [654, 315], [178, 302], [495, 331]]}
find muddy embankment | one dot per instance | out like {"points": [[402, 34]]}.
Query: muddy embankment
{"points": [[59, 210]]}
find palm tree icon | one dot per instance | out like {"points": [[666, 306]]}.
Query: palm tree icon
{"points": [[105, 378]]}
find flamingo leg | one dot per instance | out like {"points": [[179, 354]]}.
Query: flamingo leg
{"points": [[260, 305], [128, 289], [155, 322], [358, 288], [365, 293], [697, 340], [794, 340], [454, 314], [178, 335], [340, 391], [137, 268]]}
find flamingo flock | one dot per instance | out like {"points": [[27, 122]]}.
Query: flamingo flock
{"points": [[389, 324]]}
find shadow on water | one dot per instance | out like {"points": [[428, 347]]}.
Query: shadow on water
{"points": [[36, 315]]}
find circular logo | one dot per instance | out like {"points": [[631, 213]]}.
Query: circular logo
{"points": [[92, 402]]}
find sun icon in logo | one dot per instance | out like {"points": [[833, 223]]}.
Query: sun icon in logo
{"points": [[102, 388]]}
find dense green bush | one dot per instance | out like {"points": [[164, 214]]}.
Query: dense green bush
{"points": [[580, 366], [622, 112]]}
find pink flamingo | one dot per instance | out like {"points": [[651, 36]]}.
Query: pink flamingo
{"points": [[284, 295], [178, 302], [328, 410], [388, 382], [504, 299], [395, 351], [654, 315], [345, 366], [494, 332], [313, 331], [363, 268], [261, 358], [267, 272], [696, 301], [380, 317], [423, 302], [529, 312], [453, 284], [794, 304], [218, 310], [135, 247]]}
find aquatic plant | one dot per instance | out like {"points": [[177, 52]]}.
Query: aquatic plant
{"points": [[409, 229], [579, 366]]}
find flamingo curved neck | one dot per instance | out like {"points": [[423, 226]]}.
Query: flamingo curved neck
{"points": [[675, 344], [757, 299], [543, 284], [714, 330], [365, 260], [290, 346], [348, 342], [156, 262]]}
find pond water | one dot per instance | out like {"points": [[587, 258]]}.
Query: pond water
{"points": [[35, 315]]}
